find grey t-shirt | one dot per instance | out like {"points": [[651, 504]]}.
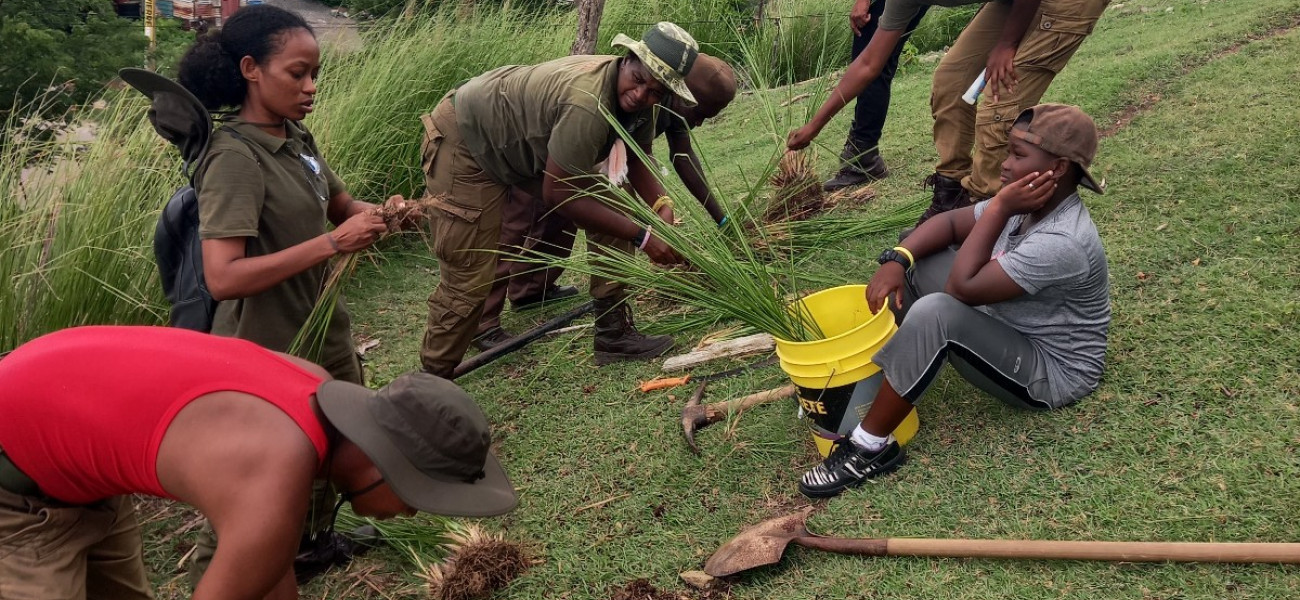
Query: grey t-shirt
{"points": [[1065, 312], [898, 13]]}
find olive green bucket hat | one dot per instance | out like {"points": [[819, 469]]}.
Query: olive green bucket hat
{"points": [[429, 440], [668, 52]]}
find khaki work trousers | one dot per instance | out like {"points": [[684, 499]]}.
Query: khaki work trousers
{"points": [[466, 227], [528, 228], [53, 551], [1053, 36]]}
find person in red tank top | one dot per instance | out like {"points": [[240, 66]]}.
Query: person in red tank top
{"points": [[92, 414]]}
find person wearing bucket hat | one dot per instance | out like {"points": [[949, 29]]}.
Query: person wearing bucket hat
{"points": [[1021, 309], [546, 128], [94, 414], [1017, 46], [527, 227]]}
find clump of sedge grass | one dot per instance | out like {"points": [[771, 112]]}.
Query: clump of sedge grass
{"points": [[797, 191], [309, 342], [478, 563]]}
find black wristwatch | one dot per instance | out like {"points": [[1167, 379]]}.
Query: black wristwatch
{"points": [[894, 256]]}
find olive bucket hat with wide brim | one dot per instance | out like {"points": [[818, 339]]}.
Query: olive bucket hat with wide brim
{"points": [[668, 52], [428, 439]]}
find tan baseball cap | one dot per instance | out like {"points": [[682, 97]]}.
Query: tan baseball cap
{"points": [[428, 439], [669, 53], [1065, 131]]}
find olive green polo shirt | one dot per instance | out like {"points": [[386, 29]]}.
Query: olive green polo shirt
{"points": [[513, 118], [273, 192]]}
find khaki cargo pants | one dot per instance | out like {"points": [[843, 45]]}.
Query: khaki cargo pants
{"points": [[466, 229], [52, 551], [1054, 34]]}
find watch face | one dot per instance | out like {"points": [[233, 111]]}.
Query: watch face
{"points": [[887, 256]]}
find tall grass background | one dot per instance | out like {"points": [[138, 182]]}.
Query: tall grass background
{"points": [[77, 218]]}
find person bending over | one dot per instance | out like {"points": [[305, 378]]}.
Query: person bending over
{"points": [[95, 414]]}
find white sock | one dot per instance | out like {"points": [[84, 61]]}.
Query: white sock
{"points": [[868, 441]]}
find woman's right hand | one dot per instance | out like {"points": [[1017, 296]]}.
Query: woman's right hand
{"points": [[661, 253], [887, 282], [359, 231]]}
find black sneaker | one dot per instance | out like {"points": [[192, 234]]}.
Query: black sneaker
{"points": [[316, 555], [849, 465], [491, 338], [869, 169], [556, 292]]}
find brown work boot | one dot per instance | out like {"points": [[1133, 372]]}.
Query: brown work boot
{"points": [[617, 338], [948, 195]]}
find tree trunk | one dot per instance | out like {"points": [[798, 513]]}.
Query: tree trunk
{"points": [[589, 13]]}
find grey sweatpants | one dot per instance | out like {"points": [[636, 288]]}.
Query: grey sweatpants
{"points": [[935, 328]]}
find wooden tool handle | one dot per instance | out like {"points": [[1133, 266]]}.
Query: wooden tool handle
{"points": [[1062, 550], [719, 410]]}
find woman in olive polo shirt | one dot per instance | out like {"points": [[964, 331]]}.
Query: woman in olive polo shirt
{"points": [[265, 194], [264, 190]]}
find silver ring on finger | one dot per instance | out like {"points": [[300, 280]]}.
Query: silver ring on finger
{"points": [[1031, 186]]}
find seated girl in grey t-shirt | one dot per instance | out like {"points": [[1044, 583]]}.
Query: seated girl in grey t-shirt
{"points": [[1021, 310]]}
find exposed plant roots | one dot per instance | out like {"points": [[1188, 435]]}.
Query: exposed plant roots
{"points": [[478, 564], [797, 193]]}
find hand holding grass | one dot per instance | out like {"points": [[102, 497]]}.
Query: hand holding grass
{"points": [[801, 137], [401, 216], [661, 253], [358, 232], [1027, 194]]}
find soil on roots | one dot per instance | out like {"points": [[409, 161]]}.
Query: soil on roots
{"points": [[478, 567]]}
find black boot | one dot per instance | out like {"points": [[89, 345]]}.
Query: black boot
{"points": [[617, 338], [857, 168], [948, 195]]}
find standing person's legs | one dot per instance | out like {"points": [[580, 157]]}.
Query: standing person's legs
{"points": [[552, 235], [861, 155], [954, 120], [617, 337], [466, 229], [1055, 34], [518, 217]]}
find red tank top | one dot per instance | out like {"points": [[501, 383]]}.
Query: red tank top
{"points": [[83, 410]]}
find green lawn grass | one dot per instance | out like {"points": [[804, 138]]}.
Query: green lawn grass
{"points": [[1192, 437]]}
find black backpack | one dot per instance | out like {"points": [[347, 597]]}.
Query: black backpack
{"points": [[181, 119]]}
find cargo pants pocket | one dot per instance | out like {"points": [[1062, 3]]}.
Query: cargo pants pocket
{"points": [[1056, 36]]}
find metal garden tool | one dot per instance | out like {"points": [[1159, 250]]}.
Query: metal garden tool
{"points": [[763, 544], [696, 416]]}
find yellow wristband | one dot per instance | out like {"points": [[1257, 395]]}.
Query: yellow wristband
{"points": [[908, 253], [662, 202]]}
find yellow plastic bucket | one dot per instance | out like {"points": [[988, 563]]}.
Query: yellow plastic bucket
{"points": [[836, 379]]}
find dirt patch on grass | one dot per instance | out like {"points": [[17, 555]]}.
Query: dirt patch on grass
{"points": [[642, 589], [1151, 97]]}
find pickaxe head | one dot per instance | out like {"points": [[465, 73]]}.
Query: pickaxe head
{"points": [[694, 416], [760, 545]]}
